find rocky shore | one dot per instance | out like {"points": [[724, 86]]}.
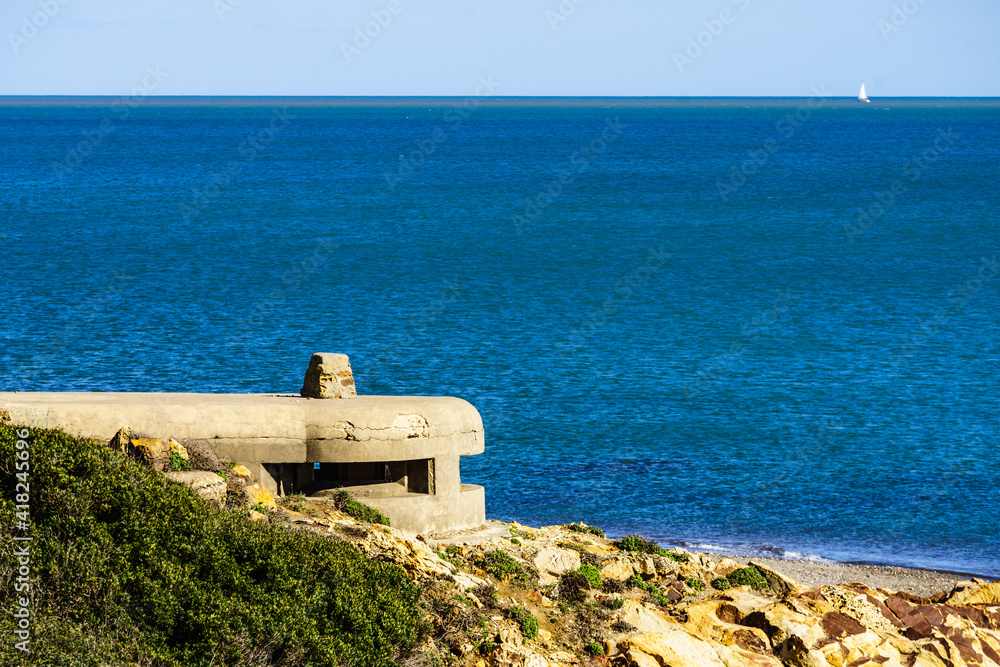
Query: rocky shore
{"points": [[508, 595], [499, 595]]}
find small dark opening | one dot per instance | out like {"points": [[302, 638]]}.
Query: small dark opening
{"points": [[413, 476]]}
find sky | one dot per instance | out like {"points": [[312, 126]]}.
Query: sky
{"points": [[500, 47]]}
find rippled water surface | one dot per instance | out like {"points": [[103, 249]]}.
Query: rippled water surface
{"points": [[672, 318]]}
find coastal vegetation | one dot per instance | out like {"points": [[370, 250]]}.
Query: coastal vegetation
{"points": [[129, 568], [744, 576], [582, 528], [642, 545]]}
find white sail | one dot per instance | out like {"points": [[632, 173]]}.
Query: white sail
{"points": [[862, 96]]}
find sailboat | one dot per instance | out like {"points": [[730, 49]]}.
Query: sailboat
{"points": [[862, 96]]}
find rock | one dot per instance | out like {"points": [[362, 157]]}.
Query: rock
{"points": [[806, 631], [976, 594], [236, 493], [510, 655], [553, 562], [644, 619], [203, 457], [666, 567], [778, 582], [646, 566], [241, 473], [619, 568], [863, 608], [329, 376], [257, 494], [466, 581], [967, 635], [257, 516], [121, 440], [179, 449], [676, 648], [206, 484], [703, 561], [151, 452], [718, 620]]}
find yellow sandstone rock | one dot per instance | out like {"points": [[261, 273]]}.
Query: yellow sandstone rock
{"points": [[984, 594], [258, 495], [675, 648], [644, 619], [179, 449], [154, 453]]}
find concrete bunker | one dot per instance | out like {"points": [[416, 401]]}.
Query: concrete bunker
{"points": [[399, 454]]}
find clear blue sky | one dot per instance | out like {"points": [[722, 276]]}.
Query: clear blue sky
{"points": [[528, 47]]}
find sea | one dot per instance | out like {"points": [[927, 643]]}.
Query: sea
{"points": [[765, 326]]}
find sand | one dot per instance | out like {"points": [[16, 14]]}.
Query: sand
{"points": [[809, 573]]}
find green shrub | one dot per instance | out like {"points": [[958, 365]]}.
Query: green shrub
{"points": [[294, 502], [639, 544], [655, 593], [695, 583], [635, 543], [721, 584], [593, 648], [748, 576], [529, 624], [502, 566], [592, 574], [581, 528], [343, 501], [178, 462], [128, 568], [613, 603], [745, 576]]}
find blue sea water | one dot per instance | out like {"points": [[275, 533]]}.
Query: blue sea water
{"points": [[768, 326]]}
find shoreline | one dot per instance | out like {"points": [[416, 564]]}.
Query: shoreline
{"points": [[894, 578], [919, 581]]}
